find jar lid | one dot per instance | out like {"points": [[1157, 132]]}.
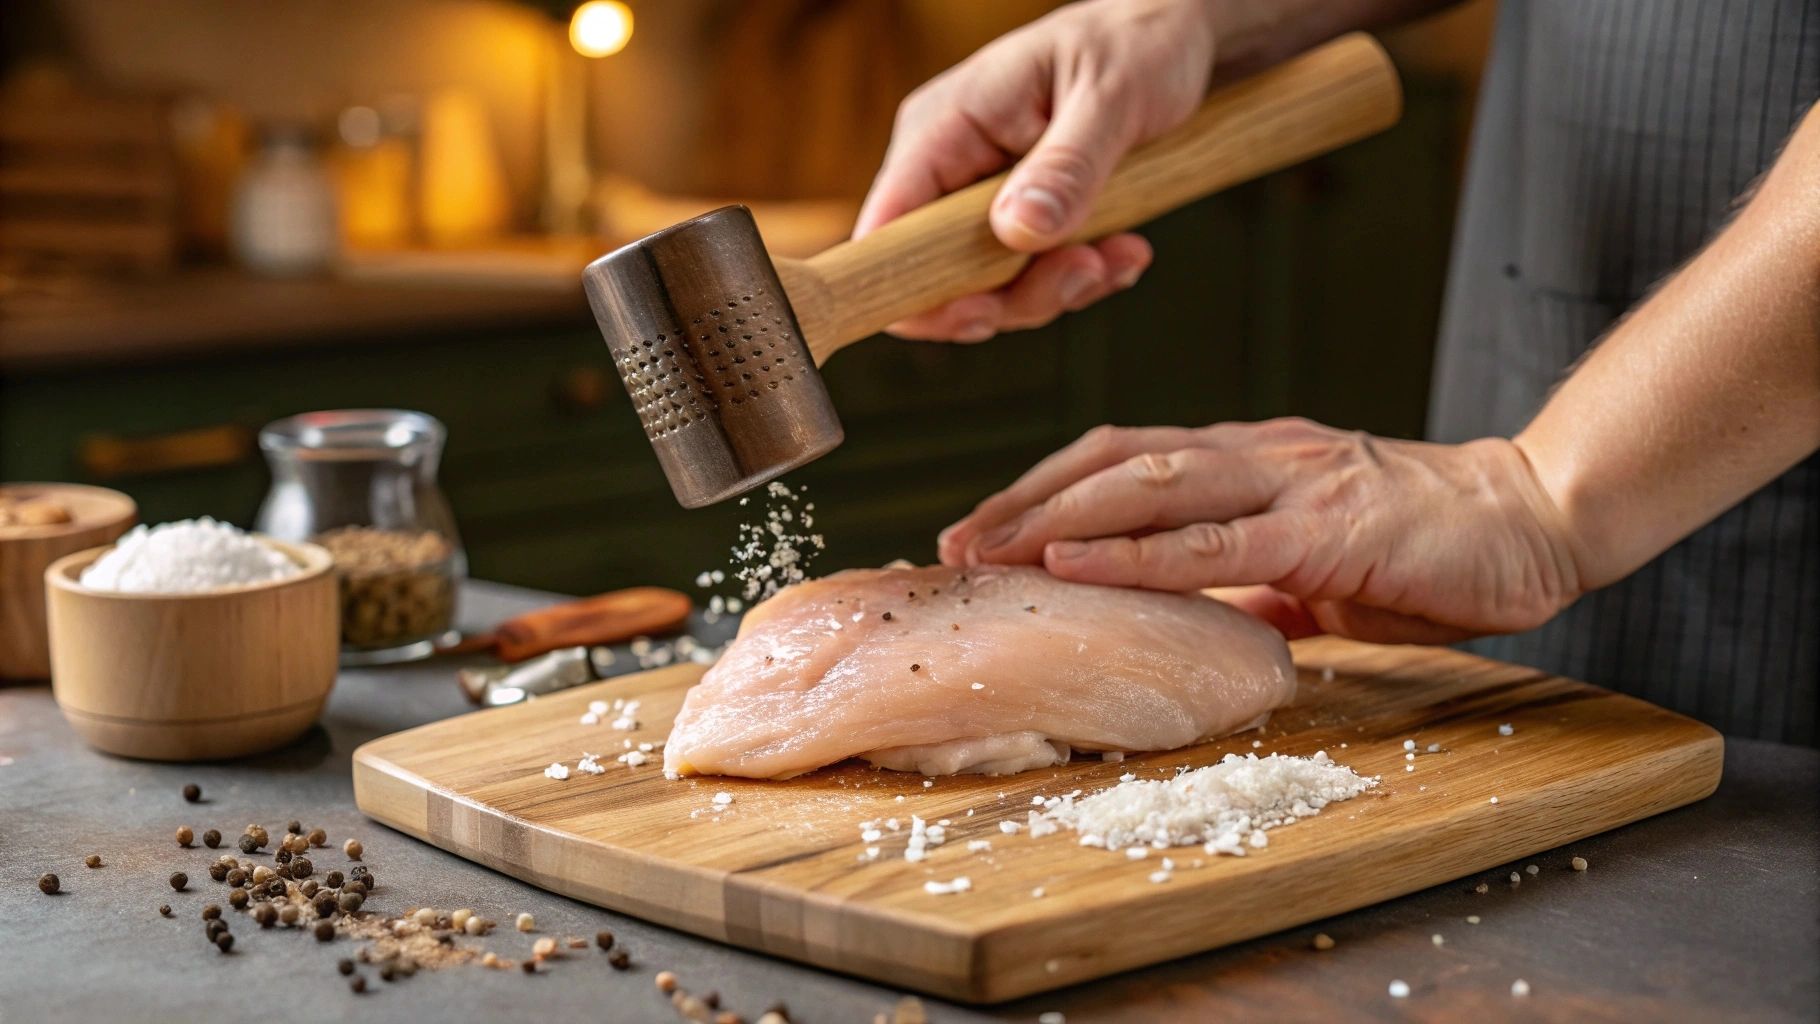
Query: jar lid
{"points": [[353, 434]]}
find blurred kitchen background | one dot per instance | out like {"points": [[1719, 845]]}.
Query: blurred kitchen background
{"points": [[215, 213]]}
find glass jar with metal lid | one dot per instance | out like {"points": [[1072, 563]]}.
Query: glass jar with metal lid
{"points": [[362, 483]]}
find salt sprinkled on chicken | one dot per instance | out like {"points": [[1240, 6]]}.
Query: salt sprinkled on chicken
{"points": [[1221, 806], [772, 554]]}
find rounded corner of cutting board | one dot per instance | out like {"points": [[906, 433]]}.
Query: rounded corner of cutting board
{"points": [[387, 793]]}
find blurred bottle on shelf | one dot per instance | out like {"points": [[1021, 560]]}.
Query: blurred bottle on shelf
{"points": [[284, 208], [210, 140], [462, 192], [373, 177]]}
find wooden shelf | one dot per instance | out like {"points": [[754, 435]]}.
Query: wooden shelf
{"points": [[78, 323]]}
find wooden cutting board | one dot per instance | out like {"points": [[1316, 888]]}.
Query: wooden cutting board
{"points": [[779, 869]]}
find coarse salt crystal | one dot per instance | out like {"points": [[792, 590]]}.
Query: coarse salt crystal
{"points": [[590, 718], [590, 765], [598, 707], [1128, 777], [870, 835], [976, 845], [1519, 988], [634, 758], [1399, 989], [928, 783], [1472, 919], [1409, 744], [1037, 800], [1434, 748], [1159, 876], [960, 884], [978, 686], [1436, 939], [1036, 893], [1494, 799], [1506, 730], [556, 771], [1009, 827], [723, 798], [1137, 852]]}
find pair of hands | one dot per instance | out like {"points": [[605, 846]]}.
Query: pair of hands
{"points": [[1310, 528]]}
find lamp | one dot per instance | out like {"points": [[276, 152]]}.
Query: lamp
{"points": [[600, 28]]}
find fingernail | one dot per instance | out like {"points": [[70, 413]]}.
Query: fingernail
{"points": [[997, 537], [1038, 211], [1128, 277], [974, 330], [1076, 285], [1066, 549]]}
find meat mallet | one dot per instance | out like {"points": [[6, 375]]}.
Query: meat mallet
{"points": [[718, 343]]}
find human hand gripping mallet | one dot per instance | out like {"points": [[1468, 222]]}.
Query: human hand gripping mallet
{"points": [[718, 343]]}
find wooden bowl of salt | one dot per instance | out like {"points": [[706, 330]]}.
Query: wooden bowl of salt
{"points": [[194, 676], [40, 523]]}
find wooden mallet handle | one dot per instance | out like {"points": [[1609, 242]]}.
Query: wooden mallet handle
{"points": [[1315, 103]]}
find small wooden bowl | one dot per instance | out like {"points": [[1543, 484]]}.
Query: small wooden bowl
{"points": [[97, 516], [194, 677]]}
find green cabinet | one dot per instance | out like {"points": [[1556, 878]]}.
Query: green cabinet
{"points": [[1313, 292]]}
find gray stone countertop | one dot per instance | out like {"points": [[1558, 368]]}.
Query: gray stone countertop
{"points": [[1705, 913]]}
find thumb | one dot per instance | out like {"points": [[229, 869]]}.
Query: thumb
{"points": [[1050, 191]]}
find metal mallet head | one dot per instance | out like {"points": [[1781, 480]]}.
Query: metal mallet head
{"points": [[710, 351], [718, 344]]}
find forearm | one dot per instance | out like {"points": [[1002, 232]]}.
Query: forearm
{"points": [[1252, 35], [1708, 391]]}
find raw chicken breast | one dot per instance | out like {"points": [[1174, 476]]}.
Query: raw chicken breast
{"points": [[993, 669]]}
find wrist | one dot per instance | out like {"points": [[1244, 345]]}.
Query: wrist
{"points": [[1552, 483]]}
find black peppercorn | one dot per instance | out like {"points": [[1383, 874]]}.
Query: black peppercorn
{"points": [[324, 932], [325, 905], [179, 880], [211, 912], [218, 871], [275, 887], [224, 941], [282, 870], [916, 668], [248, 844], [333, 879], [265, 914], [238, 898], [886, 616], [386, 973], [233, 876], [712, 999], [214, 927], [283, 856], [619, 959], [192, 792], [350, 902], [530, 966], [345, 966], [308, 889], [48, 883], [604, 939], [211, 839], [294, 828], [165, 910], [302, 868], [360, 871]]}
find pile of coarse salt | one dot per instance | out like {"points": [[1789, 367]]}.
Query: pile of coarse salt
{"points": [[184, 558], [1222, 806]]}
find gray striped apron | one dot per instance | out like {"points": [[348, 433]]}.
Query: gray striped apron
{"points": [[1612, 139]]}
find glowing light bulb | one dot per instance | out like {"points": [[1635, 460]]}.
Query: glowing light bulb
{"points": [[600, 28]]}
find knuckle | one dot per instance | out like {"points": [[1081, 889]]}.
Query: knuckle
{"points": [[1207, 540], [1104, 437], [1157, 469]]}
